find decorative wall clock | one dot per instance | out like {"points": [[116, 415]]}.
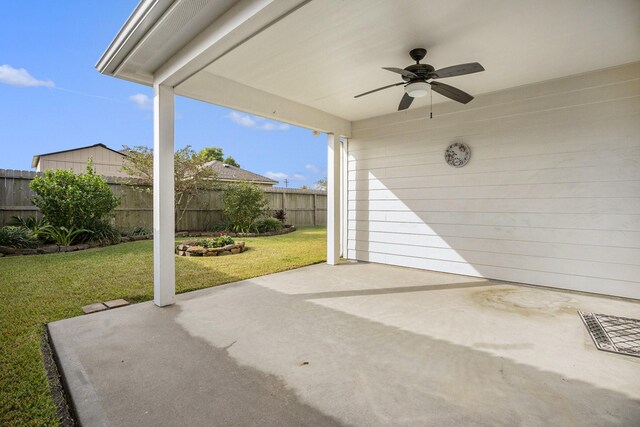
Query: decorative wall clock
{"points": [[457, 154]]}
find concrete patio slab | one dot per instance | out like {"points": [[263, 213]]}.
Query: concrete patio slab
{"points": [[357, 344]]}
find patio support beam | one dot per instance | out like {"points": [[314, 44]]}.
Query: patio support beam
{"points": [[333, 199], [164, 276]]}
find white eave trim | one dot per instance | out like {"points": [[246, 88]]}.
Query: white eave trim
{"points": [[143, 18]]}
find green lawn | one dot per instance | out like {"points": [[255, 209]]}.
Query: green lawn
{"points": [[35, 290]]}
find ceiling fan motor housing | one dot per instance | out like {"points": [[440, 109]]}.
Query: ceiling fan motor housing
{"points": [[423, 71]]}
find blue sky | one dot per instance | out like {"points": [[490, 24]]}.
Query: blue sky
{"points": [[52, 98]]}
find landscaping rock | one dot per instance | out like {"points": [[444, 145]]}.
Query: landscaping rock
{"points": [[28, 251], [7, 250], [82, 247], [191, 249], [49, 249]]}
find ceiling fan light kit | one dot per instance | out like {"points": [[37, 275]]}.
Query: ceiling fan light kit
{"points": [[418, 78], [417, 89]]}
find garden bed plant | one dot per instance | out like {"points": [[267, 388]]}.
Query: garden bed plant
{"points": [[218, 246]]}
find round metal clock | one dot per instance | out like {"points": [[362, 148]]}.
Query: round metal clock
{"points": [[457, 154]]}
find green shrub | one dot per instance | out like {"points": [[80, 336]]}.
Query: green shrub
{"points": [[82, 201], [216, 242], [243, 204], [103, 233], [280, 215], [30, 222], [63, 236], [267, 225], [140, 231], [221, 226], [17, 237]]}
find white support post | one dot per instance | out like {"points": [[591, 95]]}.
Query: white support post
{"points": [[344, 220], [164, 275], [333, 199]]}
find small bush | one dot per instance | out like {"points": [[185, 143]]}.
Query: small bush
{"points": [[267, 225], [69, 200], [17, 237], [221, 226], [30, 222], [243, 204], [104, 233], [140, 231], [63, 236], [280, 215], [217, 242]]}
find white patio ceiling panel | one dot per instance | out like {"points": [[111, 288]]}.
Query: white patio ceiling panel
{"points": [[327, 51]]}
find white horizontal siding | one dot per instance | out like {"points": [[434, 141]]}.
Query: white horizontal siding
{"points": [[551, 195]]}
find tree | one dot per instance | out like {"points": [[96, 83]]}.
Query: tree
{"points": [[243, 204], [321, 184], [69, 200], [191, 177], [209, 154], [231, 161]]}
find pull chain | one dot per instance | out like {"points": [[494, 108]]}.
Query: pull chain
{"points": [[431, 110]]}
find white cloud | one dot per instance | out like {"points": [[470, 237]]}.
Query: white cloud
{"points": [[273, 126], [276, 175], [142, 101], [299, 177], [256, 122], [20, 77], [312, 168], [242, 119]]}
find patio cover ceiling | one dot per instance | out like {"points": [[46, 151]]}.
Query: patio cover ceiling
{"points": [[303, 61]]}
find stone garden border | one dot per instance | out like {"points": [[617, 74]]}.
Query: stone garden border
{"points": [[191, 249], [54, 249]]}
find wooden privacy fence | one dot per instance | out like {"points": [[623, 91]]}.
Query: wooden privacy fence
{"points": [[303, 207]]}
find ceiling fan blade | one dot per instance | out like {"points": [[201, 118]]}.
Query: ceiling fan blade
{"points": [[457, 70], [451, 92], [405, 102], [405, 73], [380, 88]]}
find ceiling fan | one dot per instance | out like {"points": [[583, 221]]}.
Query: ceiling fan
{"points": [[419, 77]]}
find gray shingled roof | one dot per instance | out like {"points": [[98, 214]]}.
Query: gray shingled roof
{"points": [[232, 173]]}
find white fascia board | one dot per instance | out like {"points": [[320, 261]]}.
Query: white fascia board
{"points": [[243, 21], [207, 87], [143, 18]]}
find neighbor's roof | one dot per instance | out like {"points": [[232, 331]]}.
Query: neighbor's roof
{"points": [[36, 158], [231, 173]]}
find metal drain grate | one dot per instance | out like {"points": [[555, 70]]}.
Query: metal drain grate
{"points": [[612, 333]]}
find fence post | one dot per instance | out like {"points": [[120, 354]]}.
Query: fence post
{"points": [[315, 209]]}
